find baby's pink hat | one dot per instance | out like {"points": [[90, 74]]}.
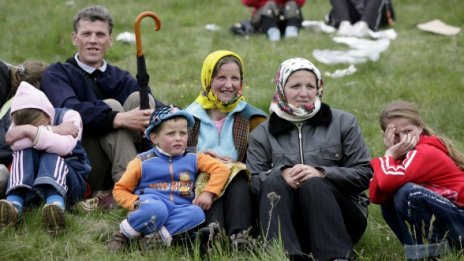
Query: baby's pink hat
{"points": [[29, 97]]}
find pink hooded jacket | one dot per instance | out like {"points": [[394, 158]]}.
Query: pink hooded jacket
{"points": [[29, 97]]}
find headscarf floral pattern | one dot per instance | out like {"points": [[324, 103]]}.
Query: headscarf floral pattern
{"points": [[280, 104]]}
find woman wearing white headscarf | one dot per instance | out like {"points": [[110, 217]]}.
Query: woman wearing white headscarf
{"points": [[309, 167]]}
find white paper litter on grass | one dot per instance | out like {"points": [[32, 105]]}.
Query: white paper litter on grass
{"points": [[362, 50], [212, 27], [350, 57], [379, 45], [318, 26], [126, 37], [342, 72], [439, 27]]}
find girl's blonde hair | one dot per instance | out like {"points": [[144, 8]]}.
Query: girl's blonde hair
{"points": [[28, 116], [30, 71], [407, 110]]}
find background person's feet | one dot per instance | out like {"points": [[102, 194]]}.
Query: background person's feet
{"points": [[361, 29], [345, 29], [291, 31], [273, 34]]}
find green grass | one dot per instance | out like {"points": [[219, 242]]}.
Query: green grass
{"points": [[421, 67]]}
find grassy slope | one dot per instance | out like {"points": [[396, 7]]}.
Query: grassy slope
{"points": [[420, 67]]}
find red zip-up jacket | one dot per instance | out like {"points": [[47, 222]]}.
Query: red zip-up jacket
{"points": [[257, 4], [428, 165]]}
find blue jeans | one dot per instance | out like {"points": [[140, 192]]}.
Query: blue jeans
{"points": [[156, 211], [416, 214], [34, 171]]}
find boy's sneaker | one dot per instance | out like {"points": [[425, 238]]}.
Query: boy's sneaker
{"points": [[53, 218], [291, 31], [150, 241], [273, 34], [8, 213], [117, 243], [160, 238]]}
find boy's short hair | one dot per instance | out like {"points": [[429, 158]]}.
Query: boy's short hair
{"points": [[94, 13], [164, 113]]}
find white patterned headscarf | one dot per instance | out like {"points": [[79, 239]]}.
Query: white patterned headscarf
{"points": [[279, 104]]}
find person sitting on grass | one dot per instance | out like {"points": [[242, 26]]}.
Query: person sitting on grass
{"points": [[30, 71], [48, 161], [419, 184], [157, 186], [309, 169], [107, 98], [223, 122], [359, 17], [276, 17]]}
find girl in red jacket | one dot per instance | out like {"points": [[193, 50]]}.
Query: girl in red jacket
{"points": [[419, 183]]}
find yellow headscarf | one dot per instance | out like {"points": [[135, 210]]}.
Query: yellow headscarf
{"points": [[207, 99]]}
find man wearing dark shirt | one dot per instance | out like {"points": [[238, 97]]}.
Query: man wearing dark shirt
{"points": [[106, 97]]}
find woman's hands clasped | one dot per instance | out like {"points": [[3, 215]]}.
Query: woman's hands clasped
{"points": [[298, 174]]}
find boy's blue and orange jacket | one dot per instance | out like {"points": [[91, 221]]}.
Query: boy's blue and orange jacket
{"points": [[172, 177]]}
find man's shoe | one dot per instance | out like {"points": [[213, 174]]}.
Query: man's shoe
{"points": [[8, 213], [53, 218], [102, 200], [107, 202], [117, 243], [87, 205]]}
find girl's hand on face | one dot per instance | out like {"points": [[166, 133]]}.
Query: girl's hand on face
{"points": [[398, 151], [389, 136]]}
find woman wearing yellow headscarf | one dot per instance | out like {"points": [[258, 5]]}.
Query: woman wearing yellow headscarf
{"points": [[223, 122]]}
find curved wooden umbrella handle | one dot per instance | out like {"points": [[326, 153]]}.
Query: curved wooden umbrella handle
{"points": [[138, 19]]}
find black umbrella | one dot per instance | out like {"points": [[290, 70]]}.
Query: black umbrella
{"points": [[142, 75]]}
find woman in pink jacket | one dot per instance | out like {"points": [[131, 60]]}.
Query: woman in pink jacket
{"points": [[275, 16], [48, 160], [419, 183]]}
